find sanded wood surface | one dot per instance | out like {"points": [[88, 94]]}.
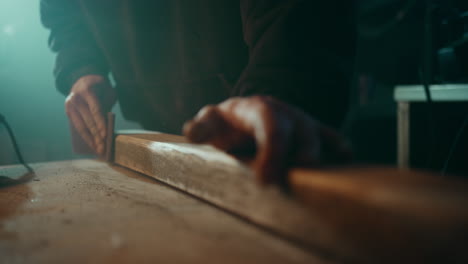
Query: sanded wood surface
{"points": [[372, 215], [89, 212]]}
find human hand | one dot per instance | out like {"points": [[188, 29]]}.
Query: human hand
{"points": [[90, 98], [282, 135]]}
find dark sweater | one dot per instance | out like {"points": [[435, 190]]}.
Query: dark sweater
{"points": [[171, 57]]}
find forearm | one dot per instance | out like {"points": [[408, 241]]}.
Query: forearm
{"points": [[77, 52]]}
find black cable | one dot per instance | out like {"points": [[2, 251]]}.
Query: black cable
{"points": [[15, 144], [454, 145]]}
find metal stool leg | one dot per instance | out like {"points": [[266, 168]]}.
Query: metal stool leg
{"points": [[403, 135]]}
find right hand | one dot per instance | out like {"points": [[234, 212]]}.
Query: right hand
{"points": [[282, 135], [90, 98]]}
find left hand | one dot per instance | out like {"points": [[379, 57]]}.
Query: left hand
{"points": [[90, 98], [282, 135]]}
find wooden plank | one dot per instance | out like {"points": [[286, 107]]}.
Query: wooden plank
{"points": [[90, 212], [366, 215]]}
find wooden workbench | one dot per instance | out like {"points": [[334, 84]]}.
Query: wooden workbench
{"points": [[87, 211], [168, 201]]}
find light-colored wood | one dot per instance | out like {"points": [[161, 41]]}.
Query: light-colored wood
{"points": [[366, 215], [218, 178], [388, 215], [89, 212]]}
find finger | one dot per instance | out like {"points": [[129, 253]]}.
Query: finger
{"points": [[271, 128], [206, 124], [81, 128], [85, 114], [274, 150], [95, 110], [211, 127]]}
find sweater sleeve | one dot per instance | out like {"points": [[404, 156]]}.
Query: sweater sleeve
{"points": [[301, 52], [70, 37]]}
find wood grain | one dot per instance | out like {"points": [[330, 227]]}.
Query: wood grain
{"points": [[354, 214], [87, 211]]}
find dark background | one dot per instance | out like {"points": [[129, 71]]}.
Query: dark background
{"points": [[28, 99]]}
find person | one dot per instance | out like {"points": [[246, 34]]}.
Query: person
{"points": [[169, 58], [278, 135]]}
